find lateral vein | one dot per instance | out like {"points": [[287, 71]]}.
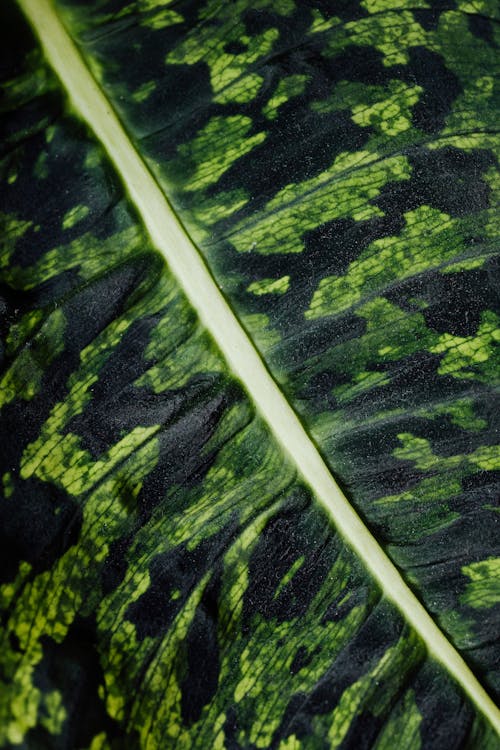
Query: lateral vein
{"points": [[188, 266]]}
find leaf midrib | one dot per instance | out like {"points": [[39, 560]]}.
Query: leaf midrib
{"points": [[187, 265]]}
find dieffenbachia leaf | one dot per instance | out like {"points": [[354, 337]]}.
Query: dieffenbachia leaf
{"points": [[179, 567]]}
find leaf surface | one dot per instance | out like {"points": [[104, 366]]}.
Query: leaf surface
{"points": [[184, 557], [337, 164]]}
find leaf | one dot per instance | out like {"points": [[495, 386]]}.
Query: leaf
{"points": [[173, 571]]}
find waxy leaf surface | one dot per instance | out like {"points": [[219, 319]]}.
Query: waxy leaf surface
{"points": [[168, 579]]}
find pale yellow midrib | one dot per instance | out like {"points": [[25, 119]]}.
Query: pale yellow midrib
{"points": [[185, 262]]}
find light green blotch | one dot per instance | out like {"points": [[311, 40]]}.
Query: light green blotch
{"points": [[363, 381], [418, 451], [385, 108], [19, 332], [68, 466], [488, 8], [50, 133], [393, 33], [202, 161], [269, 286], [90, 255], [486, 457], [465, 265], [461, 412], [146, 6], [421, 304], [161, 19], [74, 215], [7, 485], [374, 690], [231, 75], [392, 115], [194, 356], [472, 357], [53, 713], [19, 702], [346, 189], [114, 503], [235, 579], [294, 568], [348, 94], [321, 24], [429, 490], [124, 654], [100, 742], [11, 230], [483, 591], [382, 6], [23, 378], [8, 591], [287, 88], [467, 142], [290, 743], [48, 603], [474, 61], [403, 727], [144, 91], [391, 333], [209, 210], [478, 93], [428, 240], [242, 90], [93, 158], [328, 427]]}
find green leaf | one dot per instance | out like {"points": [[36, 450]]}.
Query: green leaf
{"points": [[179, 566]]}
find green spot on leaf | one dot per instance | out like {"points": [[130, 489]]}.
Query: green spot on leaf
{"points": [[74, 215]]}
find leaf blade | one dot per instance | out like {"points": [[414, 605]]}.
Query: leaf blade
{"points": [[390, 295], [139, 457], [188, 267]]}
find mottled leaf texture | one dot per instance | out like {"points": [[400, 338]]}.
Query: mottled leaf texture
{"points": [[168, 579]]}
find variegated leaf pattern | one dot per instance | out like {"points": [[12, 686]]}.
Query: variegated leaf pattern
{"points": [[167, 579], [337, 164]]}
